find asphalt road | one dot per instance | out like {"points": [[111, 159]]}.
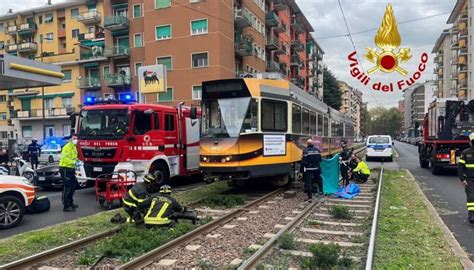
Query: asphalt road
{"points": [[88, 205], [445, 192]]}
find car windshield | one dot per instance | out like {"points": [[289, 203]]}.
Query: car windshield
{"points": [[223, 118], [379, 140], [103, 124], [50, 147]]}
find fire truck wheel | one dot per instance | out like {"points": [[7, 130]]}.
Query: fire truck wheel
{"points": [[161, 174]]}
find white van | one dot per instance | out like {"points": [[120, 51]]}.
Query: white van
{"points": [[379, 146]]}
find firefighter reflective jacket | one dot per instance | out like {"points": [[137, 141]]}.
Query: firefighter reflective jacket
{"points": [[311, 158], [363, 168], [162, 207], [466, 164], [137, 196], [68, 156]]}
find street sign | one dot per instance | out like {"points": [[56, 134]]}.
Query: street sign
{"points": [[152, 79]]}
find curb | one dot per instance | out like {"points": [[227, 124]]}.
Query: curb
{"points": [[448, 235]]}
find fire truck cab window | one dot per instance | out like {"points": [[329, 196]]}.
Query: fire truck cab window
{"points": [[157, 121], [142, 123], [169, 122]]}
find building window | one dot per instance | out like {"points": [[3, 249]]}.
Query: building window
{"points": [[26, 131], [48, 103], [166, 61], [199, 27], [137, 66], [48, 18], [75, 33], [66, 102], [74, 13], [2, 45], [49, 37], [106, 71], [137, 11], [163, 32], [4, 134], [2, 27], [166, 96], [3, 98], [67, 75], [66, 130], [138, 40], [3, 116], [40, 19], [197, 92], [162, 4], [200, 60]]}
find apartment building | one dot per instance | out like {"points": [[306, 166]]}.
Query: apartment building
{"points": [[100, 44], [444, 61], [352, 104], [401, 106], [419, 97]]}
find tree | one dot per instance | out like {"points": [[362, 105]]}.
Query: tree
{"points": [[385, 121], [332, 92], [364, 121]]}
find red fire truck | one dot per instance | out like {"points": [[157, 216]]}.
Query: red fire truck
{"points": [[145, 138], [446, 128]]}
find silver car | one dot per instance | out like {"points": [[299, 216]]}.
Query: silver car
{"points": [[50, 153]]}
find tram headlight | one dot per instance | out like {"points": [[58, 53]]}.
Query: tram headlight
{"points": [[229, 158], [204, 158]]}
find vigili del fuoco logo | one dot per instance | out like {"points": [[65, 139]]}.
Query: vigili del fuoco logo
{"points": [[388, 59]]}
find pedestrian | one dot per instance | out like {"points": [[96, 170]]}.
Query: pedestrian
{"points": [[466, 174], [362, 172], [310, 163], [34, 152], [137, 200], [67, 168], [344, 159]]}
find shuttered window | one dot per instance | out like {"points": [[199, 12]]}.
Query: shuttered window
{"points": [[199, 27], [166, 96], [162, 4], [163, 32]]}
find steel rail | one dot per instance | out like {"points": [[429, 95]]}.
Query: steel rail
{"points": [[148, 258], [47, 255], [265, 249], [370, 251]]}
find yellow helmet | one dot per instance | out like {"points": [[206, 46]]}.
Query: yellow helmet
{"points": [[165, 189], [149, 178]]}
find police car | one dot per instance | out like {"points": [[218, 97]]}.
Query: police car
{"points": [[379, 146]]}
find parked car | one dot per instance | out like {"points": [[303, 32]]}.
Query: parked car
{"points": [[379, 146], [48, 177], [50, 153], [15, 195]]}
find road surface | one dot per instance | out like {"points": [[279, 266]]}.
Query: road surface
{"points": [[445, 192]]}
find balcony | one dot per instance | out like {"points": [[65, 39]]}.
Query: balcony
{"points": [[116, 23], [61, 32], [298, 80], [117, 51], [297, 27], [242, 18], [463, 34], [463, 51], [272, 43], [462, 69], [280, 50], [28, 47], [273, 66], [462, 85], [11, 48], [438, 59], [454, 45], [295, 60], [11, 30], [88, 83], [96, 53], [463, 18], [280, 28], [243, 48], [89, 17], [271, 19], [454, 76], [297, 45], [454, 61], [90, 36], [27, 29], [454, 30], [48, 113], [279, 5], [118, 80]]}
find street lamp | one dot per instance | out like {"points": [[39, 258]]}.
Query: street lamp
{"points": [[42, 89]]}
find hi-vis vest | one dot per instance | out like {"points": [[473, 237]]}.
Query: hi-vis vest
{"points": [[162, 207]]}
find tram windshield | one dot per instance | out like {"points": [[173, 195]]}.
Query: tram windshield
{"points": [[224, 118]]}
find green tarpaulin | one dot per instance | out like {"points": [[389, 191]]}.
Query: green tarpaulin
{"points": [[330, 174]]}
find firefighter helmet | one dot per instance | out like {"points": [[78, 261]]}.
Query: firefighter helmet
{"points": [[165, 189], [149, 178], [471, 136]]}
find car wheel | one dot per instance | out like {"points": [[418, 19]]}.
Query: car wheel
{"points": [[50, 159], [30, 177], [12, 210]]}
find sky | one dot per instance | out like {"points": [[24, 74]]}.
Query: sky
{"points": [[327, 20]]}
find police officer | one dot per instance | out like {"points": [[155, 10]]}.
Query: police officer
{"points": [[138, 199], [466, 173], [344, 163], [67, 168], [34, 152], [311, 169], [163, 209]]}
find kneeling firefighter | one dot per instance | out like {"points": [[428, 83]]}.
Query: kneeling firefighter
{"points": [[138, 199], [164, 209]]}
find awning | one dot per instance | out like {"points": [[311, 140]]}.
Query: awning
{"points": [[120, 33], [91, 65], [120, 5]]}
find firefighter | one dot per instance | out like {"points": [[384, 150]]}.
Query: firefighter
{"points": [[311, 169], [466, 173], [34, 152], [67, 169], [163, 209], [344, 163], [362, 172], [138, 199]]}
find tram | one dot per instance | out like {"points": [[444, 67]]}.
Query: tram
{"points": [[253, 128]]}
